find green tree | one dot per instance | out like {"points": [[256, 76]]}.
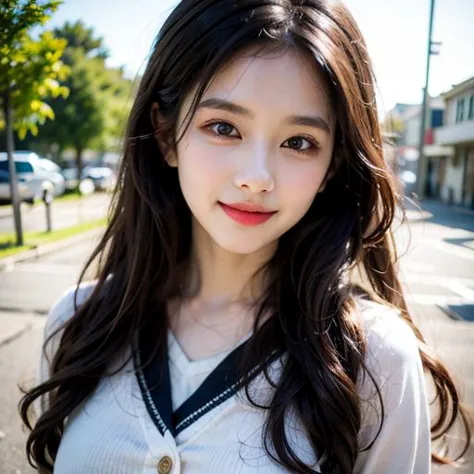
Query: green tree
{"points": [[31, 71], [118, 101], [93, 114]]}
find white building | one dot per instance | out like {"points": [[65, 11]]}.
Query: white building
{"points": [[434, 155], [458, 132]]}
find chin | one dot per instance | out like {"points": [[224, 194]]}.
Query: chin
{"points": [[242, 245]]}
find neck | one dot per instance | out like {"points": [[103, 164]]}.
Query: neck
{"points": [[218, 277]]}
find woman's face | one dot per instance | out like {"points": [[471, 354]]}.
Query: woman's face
{"points": [[263, 135]]}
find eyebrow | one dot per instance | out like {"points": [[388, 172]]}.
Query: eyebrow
{"points": [[306, 121]]}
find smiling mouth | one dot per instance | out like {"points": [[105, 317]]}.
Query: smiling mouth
{"points": [[247, 214]]}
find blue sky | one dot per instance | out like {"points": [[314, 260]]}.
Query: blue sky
{"points": [[396, 32]]}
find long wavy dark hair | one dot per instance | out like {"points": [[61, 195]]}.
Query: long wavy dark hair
{"points": [[348, 225]]}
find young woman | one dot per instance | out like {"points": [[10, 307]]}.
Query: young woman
{"points": [[223, 333]]}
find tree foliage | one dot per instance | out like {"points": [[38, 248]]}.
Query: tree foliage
{"points": [[94, 113], [31, 70]]}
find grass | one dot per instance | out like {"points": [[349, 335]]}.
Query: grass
{"points": [[69, 196], [35, 239]]}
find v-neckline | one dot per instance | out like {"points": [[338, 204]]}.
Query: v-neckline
{"points": [[186, 365], [155, 384]]}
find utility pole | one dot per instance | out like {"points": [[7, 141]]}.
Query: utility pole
{"points": [[424, 107]]}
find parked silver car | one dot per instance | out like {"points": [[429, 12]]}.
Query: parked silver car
{"points": [[103, 177], [37, 176]]}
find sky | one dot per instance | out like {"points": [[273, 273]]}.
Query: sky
{"points": [[396, 33]]}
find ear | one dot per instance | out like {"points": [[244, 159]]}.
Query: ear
{"points": [[163, 141]]}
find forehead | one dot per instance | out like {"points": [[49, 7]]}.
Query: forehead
{"points": [[280, 82]]}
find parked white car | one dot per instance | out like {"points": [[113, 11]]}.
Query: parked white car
{"points": [[26, 190], [55, 174], [36, 175]]}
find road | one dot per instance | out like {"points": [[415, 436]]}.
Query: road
{"points": [[63, 213], [437, 269], [437, 262]]}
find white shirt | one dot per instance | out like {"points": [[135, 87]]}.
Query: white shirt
{"points": [[119, 429], [187, 375]]}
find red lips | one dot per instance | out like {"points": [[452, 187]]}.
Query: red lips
{"points": [[247, 213]]}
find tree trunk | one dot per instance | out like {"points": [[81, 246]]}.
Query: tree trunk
{"points": [[79, 152], [7, 110]]}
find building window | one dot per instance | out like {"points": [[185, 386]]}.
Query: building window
{"points": [[460, 111], [471, 108], [436, 118]]}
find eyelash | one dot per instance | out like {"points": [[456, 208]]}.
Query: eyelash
{"points": [[313, 148]]}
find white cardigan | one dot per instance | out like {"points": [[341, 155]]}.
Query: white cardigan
{"points": [[126, 426]]}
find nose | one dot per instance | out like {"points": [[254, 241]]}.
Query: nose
{"points": [[254, 174]]}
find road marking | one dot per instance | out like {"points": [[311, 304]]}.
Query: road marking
{"points": [[461, 290], [440, 280], [438, 300], [450, 248], [414, 266]]}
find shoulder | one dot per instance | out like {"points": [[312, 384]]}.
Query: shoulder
{"points": [[393, 368], [392, 362], [61, 312], [66, 305], [390, 339], [395, 419]]}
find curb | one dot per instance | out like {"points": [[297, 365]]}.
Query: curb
{"points": [[451, 313], [8, 262], [9, 333], [5, 338]]}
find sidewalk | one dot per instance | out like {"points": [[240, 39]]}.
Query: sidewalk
{"points": [[440, 213]]}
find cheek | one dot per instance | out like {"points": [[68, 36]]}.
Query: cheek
{"points": [[201, 163], [300, 182]]}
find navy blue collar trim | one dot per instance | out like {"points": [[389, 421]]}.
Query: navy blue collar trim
{"points": [[221, 384]]}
